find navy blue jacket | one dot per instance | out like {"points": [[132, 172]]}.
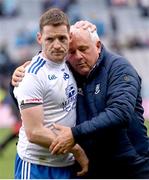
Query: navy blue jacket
{"points": [[110, 124]]}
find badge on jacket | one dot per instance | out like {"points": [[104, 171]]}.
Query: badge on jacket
{"points": [[97, 88]]}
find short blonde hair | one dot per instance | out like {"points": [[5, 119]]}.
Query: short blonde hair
{"points": [[54, 17]]}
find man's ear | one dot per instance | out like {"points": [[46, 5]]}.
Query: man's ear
{"points": [[98, 45], [39, 37], [70, 37]]}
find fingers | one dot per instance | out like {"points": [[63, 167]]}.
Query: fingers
{"points": [[26, 63], [15, 81], [85, 25], [57, 150], [18, 76], [57, 126], [84, 167], [83, 171], [52, 146], [80, 24], [55, 146]]}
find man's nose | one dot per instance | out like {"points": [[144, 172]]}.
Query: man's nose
{"points": [[57, 44], [78, 55]]}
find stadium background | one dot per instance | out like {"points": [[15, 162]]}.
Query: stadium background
{"points": [[123, 26]]}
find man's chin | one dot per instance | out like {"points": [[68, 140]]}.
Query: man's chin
{"points": [[83, 72], [58, 59]]}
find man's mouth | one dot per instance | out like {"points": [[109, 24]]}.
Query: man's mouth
{"points": [[59, 52], [81, 64]]}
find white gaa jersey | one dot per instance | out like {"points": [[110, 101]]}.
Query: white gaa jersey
{"points": [[53, 85]]}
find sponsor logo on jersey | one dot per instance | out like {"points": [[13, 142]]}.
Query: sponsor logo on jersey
{"points": [[32, 100], [52, 77]]}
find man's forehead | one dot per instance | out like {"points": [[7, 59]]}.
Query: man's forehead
{"points": [[79, 42], [57, 34], [80, 34], [55, 29]]}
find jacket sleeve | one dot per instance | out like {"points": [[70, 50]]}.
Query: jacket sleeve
{"points": [[123, 89]]}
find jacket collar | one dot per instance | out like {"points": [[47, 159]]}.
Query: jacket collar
{"points": [[99, 61]]}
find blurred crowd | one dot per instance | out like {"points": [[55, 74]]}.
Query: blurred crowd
{"points": [[122, 24]]}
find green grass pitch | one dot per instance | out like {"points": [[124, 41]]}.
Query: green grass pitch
{"points": [[7, 158]]}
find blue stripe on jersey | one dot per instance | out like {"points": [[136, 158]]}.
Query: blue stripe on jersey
{"points": [[42, 64], [36, 66]]}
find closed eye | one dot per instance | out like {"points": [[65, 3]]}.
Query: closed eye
{"points": [[83, 48]]}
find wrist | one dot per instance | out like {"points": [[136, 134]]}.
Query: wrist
{"points": [[76, 149]]}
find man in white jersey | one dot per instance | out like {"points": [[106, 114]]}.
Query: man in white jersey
{"points": [[47, 95]]}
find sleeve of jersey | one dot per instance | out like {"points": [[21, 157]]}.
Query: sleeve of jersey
{"points": [[29, 91]]}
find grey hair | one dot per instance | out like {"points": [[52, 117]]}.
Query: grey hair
{"points": [[94, 35]]}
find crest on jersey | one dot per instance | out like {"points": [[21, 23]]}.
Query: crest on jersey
{"points": [[70, 91], [71, 94]]}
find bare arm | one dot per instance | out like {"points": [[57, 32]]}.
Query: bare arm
{"points": [[81, 158], [32, 118], [36, 133]]}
